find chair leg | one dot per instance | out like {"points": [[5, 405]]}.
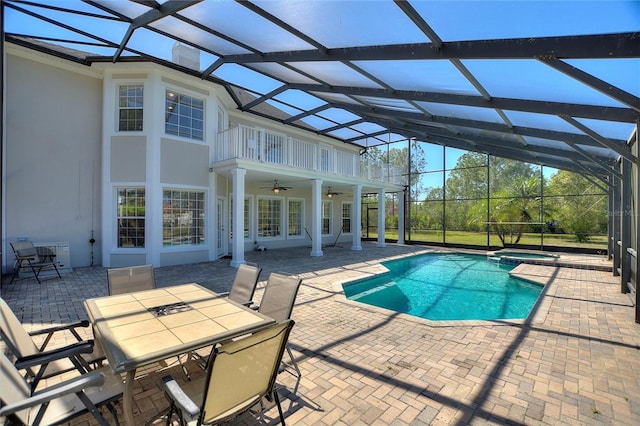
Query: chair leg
{"points": [[114, 413], [184, 367], [33, 269], [277, 400], [293, 362], [56, 268]]}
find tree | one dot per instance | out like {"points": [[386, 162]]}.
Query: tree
{"points": [[581, 206], [469, 181], [397, 156]]}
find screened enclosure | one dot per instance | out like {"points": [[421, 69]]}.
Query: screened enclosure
{"points": [[456, 197]]}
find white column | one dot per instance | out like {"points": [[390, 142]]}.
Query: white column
{"points": [[237, 248], [316, 218], [356, 222], [381, 218], [212, 218], [401, 217]]}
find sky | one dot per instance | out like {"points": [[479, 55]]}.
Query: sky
{"points": [[337, 23]]}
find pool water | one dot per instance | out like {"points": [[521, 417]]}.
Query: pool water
{"points": [[447, 287]]}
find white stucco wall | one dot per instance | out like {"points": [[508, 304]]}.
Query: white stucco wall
{"points": [[53, 140]]}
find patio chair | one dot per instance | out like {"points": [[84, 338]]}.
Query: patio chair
{"points": [[59, 403], [130, 279], [135, 278], [28, 257], [277, 303], [239, 374], [244, 283], [77, 356]]}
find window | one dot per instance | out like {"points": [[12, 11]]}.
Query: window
{"points": [[269, 217], [296, 213], [247, 210], [130, 217], [346, 218], [222, 125], [183, 218], [184, 116], [273, 147], [325, 161], [327, 207], [130, 107]]}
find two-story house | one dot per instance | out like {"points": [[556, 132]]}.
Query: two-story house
{"points": [[136, 162]]}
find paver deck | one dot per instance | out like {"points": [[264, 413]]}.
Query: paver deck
{"points": [[576, 360]]}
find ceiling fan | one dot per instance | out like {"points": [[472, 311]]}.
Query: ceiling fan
{"points": [[276, 188], [331, 193]]}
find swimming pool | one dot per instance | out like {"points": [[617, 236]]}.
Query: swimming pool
{"points": [[524, 255], [447, 287]]}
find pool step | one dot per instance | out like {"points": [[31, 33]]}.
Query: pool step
{"points": [[373, 290]]}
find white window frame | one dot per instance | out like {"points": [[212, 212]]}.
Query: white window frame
{"points": [[248, 199], [327, 204], [267, 151], [221, 118], [280, 235], [116, 217], [325, 163], [119, 108], [343, 217], [205, 215], [194, 95], [302, 215]]}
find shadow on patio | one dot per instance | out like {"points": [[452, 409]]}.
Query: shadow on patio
{"points": [[578, 361]]}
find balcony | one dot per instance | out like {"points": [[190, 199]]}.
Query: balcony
{"points": [[264, 146]]}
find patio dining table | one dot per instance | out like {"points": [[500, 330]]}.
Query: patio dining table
{"points": [[140, 328]]}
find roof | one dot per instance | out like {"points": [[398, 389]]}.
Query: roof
{"points": [[551, 83]]}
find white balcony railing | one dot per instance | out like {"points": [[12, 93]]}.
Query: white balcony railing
{"points": [[243, 142]]}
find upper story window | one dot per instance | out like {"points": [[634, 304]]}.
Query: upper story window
{"points": [[184, 115], [130, 107]]}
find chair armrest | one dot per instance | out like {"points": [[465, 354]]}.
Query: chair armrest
{"points": [[74, 385], [83, 324], [246, 303], [181, 399], [54, 354], [23, 257], [71, 328]]}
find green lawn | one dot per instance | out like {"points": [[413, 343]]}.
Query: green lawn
{"points": [[597, 242]]}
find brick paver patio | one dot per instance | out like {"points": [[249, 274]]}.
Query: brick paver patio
{"points": [[575, 361]]}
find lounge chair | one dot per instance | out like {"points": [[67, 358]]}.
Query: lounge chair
{"points": [[130, 279], [277, 303], [79, 355], [239, 374], [59, 403], [244, 283], [28, 257]]}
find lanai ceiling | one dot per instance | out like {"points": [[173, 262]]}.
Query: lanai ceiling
{"points": [[552, 83]]}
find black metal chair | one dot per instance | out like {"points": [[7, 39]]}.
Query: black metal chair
{"points": [[57, 404], [28, 257]]}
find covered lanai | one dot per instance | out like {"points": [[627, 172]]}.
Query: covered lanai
{"points": [[556, 84]]}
